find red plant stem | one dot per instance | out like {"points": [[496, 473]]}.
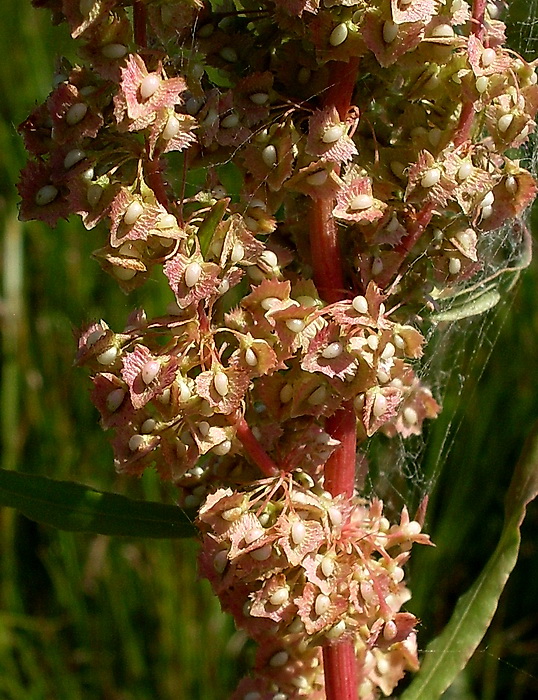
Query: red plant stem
{"points": [[339, 662], [155, 180], [253, 448], [140, 24]]}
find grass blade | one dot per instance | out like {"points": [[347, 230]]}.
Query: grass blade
{"points": [[77, 508]]}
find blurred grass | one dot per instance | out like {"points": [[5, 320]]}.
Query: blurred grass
{"points": [[109, 619]]}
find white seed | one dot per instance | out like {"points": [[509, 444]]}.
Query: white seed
{"points": [[204, 428], [238, 252], [482, 84], [228, 53], [442, 31], [115, 399], [223, 287], [251, 358], [262, 553], [295, 325], [412, 528], [221, 383], [279, 597], [150, 370], [454, 266], [380, 405], [464, 170], [335, 516], [317, 179], [361, 201], [337, 630], [318, 396], [431, 177], [230, 121], [279, 659], [467, 237], [410, 415], [94, 336], [114, 51], [504, 122], [327, 566], [171, 128], [390, 31], [184, 392], [286, 393], [136, 442], [332, 350], [46, 195], [390, 630], [372, 342], [193, 272], [377, 266], [223, 447], [388, 351], [493, 10], [269, 155], [94, 194], [194, 105], [133, 212], [73, 157], [269, 258], [148, 426], [338, 34], [123, 273], [197, 70], [488, 200], [360, 304], [487, 57], [486, 212], [220, 560], [397, 169], [149, 86], [76, 113], [108, 356], [164, 398], [298, 532], [88, 174], [511, 184], [270, 303], [259, 98], [253, 695], [322, 604], [232, 514], [333, 133]]}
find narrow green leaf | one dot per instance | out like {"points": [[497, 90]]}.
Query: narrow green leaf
{"points": [[477, 305], [448, 654], [77, 508], [210, 223]]}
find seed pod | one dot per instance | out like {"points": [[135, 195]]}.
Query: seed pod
{"points": [[76, 113], [150, 370], [332, 350], [360, 304], [149, 85], [193, 272], [73, 157], [133, 212], [46, 195], [269, 155], [221, 383], [338, 34], [171, 129], [333, 133]]}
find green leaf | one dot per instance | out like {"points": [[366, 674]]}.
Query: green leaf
{"points": [[449, 653], [208, 226], [77, 508]]}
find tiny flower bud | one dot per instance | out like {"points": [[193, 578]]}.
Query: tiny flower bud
{"points": [[46, 195], [335, 516], [412, 528], [269, 258], [76, 113], [487, 57], [203, 428], [333, 133], [327, 566], [337, 630], [388, 351], [488, 200], [338, 34], [149, 86], [133, 212], [390, 630], [108, 356], [193, 272], [511, 184]]}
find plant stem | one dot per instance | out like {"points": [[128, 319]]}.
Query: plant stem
{"points": [[253, 448], [339, 662], [140, 24]]}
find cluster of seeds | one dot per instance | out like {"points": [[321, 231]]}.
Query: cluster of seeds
{"points": [[210, 147], [300, 569]]}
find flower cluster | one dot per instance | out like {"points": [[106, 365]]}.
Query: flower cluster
{"points": [[308, 179], [299, 569]]}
